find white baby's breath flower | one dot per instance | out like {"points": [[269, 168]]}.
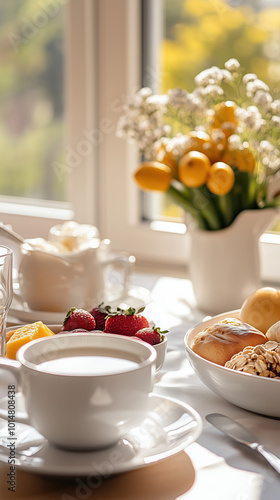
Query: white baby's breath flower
{"points": [[213, 90], [194, 103], [178, 144], [144, 125], [276, 121], [180, 99], [265, 147], [275, 106], [144, 92], [249, 77], [177, 97], [158, 100], [269, 156], [226, 76], [210, 76], [234, 142], [167, 129], [253, 86], [262, 99], [250, 118], [232, 65]]}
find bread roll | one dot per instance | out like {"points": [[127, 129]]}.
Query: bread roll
{"points": [[262, 308], [273, 333], [219, 342]]}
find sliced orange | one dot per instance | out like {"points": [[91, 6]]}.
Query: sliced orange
{"points": [[25, 334]]}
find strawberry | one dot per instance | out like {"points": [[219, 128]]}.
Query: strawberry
{"points": [[152, 335], [125, 322], [78, 318], [100, 313], [77, 330]]}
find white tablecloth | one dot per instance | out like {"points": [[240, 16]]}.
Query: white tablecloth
{"points": [[224, 470]]}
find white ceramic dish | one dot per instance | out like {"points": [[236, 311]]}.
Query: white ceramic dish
{"points": [[160, 348], [170, 427], [253, 393]]}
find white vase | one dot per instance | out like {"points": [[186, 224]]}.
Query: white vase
{"points": [[224, 265]]}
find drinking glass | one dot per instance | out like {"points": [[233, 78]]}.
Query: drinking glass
{"points": [[6, 292]]}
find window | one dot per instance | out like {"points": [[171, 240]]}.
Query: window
{"points": [[32, 117], [102, 40]]}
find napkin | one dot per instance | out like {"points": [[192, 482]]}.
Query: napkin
{"points": [[215, 480]]}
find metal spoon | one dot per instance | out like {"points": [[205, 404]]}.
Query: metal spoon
{"points": [[242, 435], [10, 233]]}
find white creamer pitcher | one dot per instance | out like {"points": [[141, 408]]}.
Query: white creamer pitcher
{"points": [[56, 278]]}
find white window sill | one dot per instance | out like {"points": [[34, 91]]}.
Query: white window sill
{"points": [[55, 211], [30, 221]]}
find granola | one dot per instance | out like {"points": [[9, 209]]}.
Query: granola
{"points": [[262, 360]]}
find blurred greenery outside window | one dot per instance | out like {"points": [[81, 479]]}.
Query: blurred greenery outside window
{"points": [[32, 99], [198, 34]]}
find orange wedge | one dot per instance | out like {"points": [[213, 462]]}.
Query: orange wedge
{"points": [[26, 334]]}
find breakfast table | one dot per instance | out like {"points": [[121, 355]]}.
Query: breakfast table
{"points": [[214, 467]]}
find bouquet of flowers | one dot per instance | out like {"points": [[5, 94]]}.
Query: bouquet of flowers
{"points": [[214, 151]]}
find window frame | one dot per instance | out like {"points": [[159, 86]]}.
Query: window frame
{"points": [[103, 67]]}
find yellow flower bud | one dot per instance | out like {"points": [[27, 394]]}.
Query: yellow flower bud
{"points": [[193, 169], [225, 112], [245, 160], [166, 157], [224, 118], [220, 179], [242, 159], [153, 176]]}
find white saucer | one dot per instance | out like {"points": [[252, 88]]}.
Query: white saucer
{"points": [[169, 428], [136, 297], [22, 312]]}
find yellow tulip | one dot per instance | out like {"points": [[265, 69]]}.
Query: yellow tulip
{"points": [[166, 157], [220, 179], [197, 141], [224, 118], [193, 169], [225, 112], [153, 176], [242, 159], [245, 160]]}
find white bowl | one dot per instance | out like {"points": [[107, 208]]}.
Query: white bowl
{"points": [[161, 351], [251, 392]]}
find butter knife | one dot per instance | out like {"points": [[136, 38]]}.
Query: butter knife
{"points": [[242, 435]]}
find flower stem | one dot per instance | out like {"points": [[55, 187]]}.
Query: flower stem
{"points": [[198, 202], [205, 203], [179, 197], [225, 204]]}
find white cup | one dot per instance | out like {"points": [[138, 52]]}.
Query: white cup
{"points": [[56, 282], [83, 391]]}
